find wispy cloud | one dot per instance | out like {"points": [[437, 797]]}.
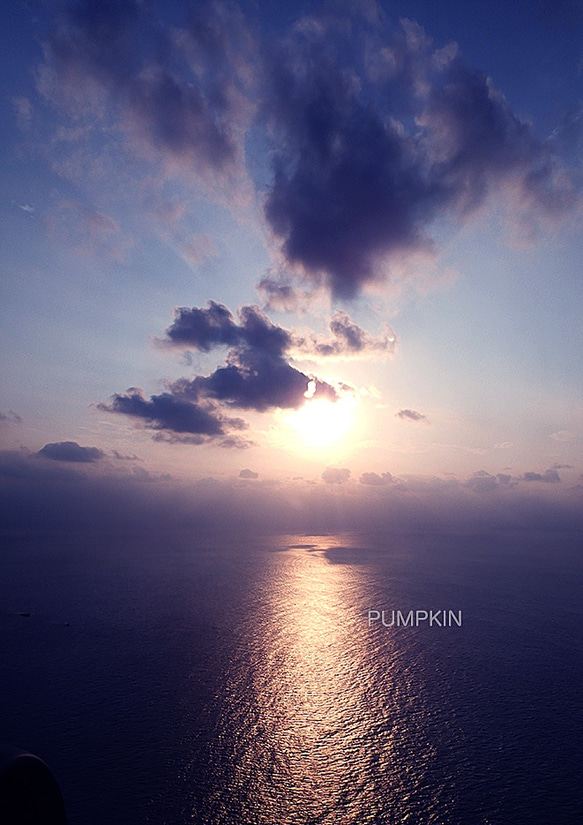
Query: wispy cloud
{"points": [[10, 417], [564, 435], [411, 415], [178, 93], [347, 340], [87, 230]]}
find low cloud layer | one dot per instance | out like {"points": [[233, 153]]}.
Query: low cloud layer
{"points": [[39, 495]]}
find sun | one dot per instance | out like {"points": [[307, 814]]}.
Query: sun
{"points": [[322, 423]]}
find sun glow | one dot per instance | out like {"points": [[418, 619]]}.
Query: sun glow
{"points": [[322, 423]]}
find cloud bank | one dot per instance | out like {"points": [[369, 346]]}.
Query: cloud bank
{"points": [[40, 496]]}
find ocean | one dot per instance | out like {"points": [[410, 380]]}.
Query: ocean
{"points": [[225, 679]]}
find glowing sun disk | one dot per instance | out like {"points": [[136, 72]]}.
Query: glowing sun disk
{"points": [[323, 423]]}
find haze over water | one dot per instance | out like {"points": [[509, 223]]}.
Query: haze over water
{"points": [[221, 679]]}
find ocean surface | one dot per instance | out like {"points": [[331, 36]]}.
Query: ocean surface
{"points": [[236, 680]]}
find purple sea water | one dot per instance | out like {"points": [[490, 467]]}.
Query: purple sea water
{"points": [[228, 679]]}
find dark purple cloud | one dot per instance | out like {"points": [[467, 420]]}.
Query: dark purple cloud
{"points": [[71, 451], [377, 135], [255, 381], [205, 329], [166, 412], [410, 415], [257, 374], [346, 186], [215, 325]]}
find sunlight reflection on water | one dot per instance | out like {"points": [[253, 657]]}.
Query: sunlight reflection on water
{"points": [[323, 720]]}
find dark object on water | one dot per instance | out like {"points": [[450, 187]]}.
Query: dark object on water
{"points": [[26, 615], [29, 794]]}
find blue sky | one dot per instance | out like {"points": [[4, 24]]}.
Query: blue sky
{"points": [[381, 202]]}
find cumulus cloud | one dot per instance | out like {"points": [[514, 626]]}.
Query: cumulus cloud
{"points": [[257, 375], [411, 415], [248, 474], [215, 325], [71, 451], [335, 475], [347, 339], [254, 380], [377, 135], [167, 412]]}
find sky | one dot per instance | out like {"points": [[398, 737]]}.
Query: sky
{"points": [[266, 257]]}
